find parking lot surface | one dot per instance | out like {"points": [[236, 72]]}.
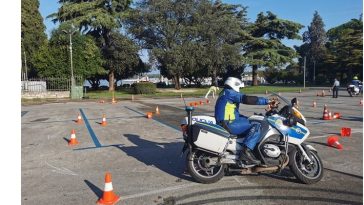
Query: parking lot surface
{"points": [[143, 155]]}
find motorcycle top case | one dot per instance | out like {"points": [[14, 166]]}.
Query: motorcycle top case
{"points": [[210, 137]]}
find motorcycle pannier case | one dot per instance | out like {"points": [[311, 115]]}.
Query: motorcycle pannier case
{"points": [[211, 137]]}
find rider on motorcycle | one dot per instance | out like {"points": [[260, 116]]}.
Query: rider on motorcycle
{"points": [[357, 83], [227, 115]]}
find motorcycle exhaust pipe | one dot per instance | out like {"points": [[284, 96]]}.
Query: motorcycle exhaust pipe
{"points": [[269, 169]]}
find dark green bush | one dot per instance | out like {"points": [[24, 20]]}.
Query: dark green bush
{"points": [[144, 88]]}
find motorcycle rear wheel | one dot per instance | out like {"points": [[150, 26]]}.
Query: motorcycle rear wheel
{"points": [[304, 172], [200, 170]]}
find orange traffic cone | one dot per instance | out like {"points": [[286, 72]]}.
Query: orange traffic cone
{"points": [[323, 93], [73, 140], [103, 123], [333, 141], [330, 115], [326, 113], [149, 115], [314, 104], [345, 132], [157, 111], [207, 101], [361, 102], [108, 197], [191, 104], [201, 103], [336, 115], [196, 104], [79, 119]]}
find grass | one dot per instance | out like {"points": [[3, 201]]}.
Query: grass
{"points": [[186, 92], [126, 94]]}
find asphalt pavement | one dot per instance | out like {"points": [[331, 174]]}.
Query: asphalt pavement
{"points": [[143, 155]]}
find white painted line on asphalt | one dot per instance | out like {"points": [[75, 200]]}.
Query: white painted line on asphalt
{"points": [[353, 131], [159, 191], [61, 170], [236, 179]]}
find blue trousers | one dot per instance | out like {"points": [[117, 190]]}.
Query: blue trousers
{"points": [[240, 126]]}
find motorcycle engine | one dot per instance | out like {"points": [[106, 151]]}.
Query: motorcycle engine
{"points": [[271, 150]]}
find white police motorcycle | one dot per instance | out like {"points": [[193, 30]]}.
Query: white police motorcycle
{"points": [[355, 89], [213, 151]]}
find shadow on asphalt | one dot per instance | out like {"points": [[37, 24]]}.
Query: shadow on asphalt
{"points": [[324, 196], [164, 156], [98, 192]]}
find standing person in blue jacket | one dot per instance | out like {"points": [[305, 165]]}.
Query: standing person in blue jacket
{"points": [[227, 114]]}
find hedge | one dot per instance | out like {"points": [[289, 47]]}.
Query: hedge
{"points": [[144, 88]]}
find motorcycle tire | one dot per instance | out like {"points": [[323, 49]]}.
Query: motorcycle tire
{"points": [[201, 177], [300, 171]]}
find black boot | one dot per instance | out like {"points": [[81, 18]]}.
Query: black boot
{"points": [[248, 156]]}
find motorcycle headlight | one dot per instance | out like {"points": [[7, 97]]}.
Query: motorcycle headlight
{"points": [[297, 113]]}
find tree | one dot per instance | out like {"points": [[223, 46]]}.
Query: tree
{"points": [[265, 48], [160, 27], [53, 59], [345, 47], [96, 17], [189, 38], [32, 33], [220, 30], [122, 55], [314, 44]]}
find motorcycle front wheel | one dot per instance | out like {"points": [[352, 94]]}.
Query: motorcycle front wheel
{"points": [[305, 172], [201, 168]]}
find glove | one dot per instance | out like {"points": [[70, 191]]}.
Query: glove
{"points": [[273, 102]]}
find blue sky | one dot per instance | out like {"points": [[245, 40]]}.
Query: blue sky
{"points": [[333, 12]]}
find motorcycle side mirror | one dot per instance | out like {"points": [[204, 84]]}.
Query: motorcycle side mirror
{"points": [[294, 101]]}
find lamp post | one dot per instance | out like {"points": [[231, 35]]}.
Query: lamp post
{"points": [[70, 32], [304, 72], [314, 71]]}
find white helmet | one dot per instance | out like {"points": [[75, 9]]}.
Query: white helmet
{"points": [[234, 83]]}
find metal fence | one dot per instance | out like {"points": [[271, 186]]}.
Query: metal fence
{"points": [[48, 84]]}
